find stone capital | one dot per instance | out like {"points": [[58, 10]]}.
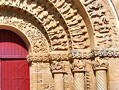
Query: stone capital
{"points": [[57, 67], [78, 65], [100, 64]]}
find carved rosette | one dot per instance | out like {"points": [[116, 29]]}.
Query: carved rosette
{"points": [[78, 65], [100, 64], [57, 67], [43, 57]]}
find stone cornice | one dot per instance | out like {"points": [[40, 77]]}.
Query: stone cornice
{"points": [[42, 57], [74, 54], [59, 56], [79, 54], [106, 52]]}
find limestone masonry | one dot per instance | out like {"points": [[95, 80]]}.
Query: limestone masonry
{"points": [[73, 44]]}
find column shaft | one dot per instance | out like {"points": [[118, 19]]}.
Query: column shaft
{"points": [[79, 81], [101, 80], [58, 81]]}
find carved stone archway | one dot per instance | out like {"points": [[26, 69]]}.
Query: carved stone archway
{"points": [[54, 38], [60, 33]]}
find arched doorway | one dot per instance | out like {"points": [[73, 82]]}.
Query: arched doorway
{"points": [[14, 69]]}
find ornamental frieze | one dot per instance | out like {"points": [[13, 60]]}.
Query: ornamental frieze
{"points": [[81, 54], [42, 57], [106, 52], [59, 56]]}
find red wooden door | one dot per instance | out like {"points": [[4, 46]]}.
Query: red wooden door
{"points": [[15, 75], [14, 69]]}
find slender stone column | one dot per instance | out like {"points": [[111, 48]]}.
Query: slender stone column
{"points": [[58, 72], [58, 81], [78, 67], [101, 81], [100, 67]]}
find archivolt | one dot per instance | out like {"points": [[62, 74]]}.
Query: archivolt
{"points": [[20, 21], [103, 23], [58, 20]]}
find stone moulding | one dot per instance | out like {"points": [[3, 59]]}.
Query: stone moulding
{"points": [[43, 57], [74, 54], [46, 57], [78, 54], [59, 56], [106, 52]]}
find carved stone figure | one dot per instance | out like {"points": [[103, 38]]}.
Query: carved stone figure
{"points": [[78, 65], [57, 66]]}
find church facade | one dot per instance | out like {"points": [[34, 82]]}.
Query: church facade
{"points": [[59, 45]]}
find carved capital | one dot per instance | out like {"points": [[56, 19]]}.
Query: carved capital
{"points": [[57, 67], [100, 64], [43, 57], [78, 65]]}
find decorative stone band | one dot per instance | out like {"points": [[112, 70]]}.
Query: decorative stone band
{"points": [[78, 66], [100, 64], [96, 52], [59, 56], [57, 67], [79, 54], [43, 57], [106, 52]]}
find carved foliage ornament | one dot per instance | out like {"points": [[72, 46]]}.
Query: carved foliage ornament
{"points": [[59, 56], [100, 63], [43, 57], [57, 67], [106, 52], [78, 65], [78, 54]]}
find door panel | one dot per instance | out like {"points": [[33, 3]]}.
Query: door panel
{"points": [[15, 75], [14, 69], [11, 45]]}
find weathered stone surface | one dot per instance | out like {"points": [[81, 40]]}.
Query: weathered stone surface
{"points": [[64, 53]]}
